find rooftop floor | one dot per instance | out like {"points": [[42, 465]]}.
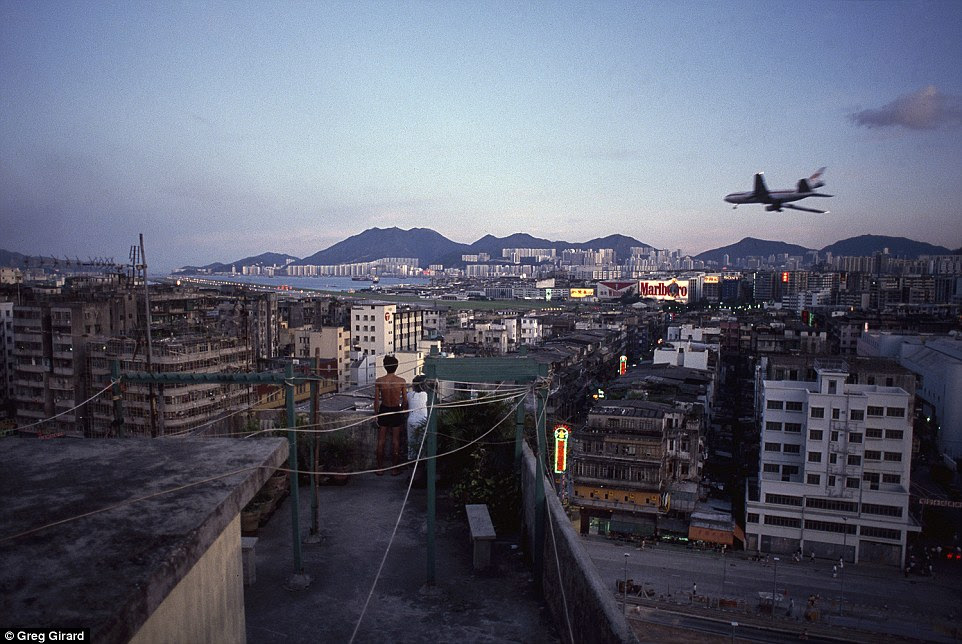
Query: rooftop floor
{"points": [[356, 525]]}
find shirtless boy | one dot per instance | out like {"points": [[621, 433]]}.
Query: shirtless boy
{"points": [[390, 403]]}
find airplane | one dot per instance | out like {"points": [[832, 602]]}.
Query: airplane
{"points": [[775, 200]]}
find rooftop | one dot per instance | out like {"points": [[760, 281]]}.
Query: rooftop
{"points": [[96, 533], [357, 524]]}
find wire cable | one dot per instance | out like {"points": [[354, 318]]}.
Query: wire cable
{"points": [[129, 502]]}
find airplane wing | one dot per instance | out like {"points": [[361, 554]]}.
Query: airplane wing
{"points": [[793, 207], [761, 192]]}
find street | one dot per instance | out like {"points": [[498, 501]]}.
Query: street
{"points": [[872, 597]]}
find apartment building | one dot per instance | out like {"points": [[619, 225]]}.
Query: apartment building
{"points": [[50, 375], [327, 343], [7, 361], [172, 408], [834, 469], [626, 460], [379, 329]]}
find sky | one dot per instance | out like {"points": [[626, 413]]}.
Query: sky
{"points": [[221, 130]]}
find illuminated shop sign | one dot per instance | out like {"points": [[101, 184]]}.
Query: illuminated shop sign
{"points": [[582, 292], [560, 449], [663, 290]]}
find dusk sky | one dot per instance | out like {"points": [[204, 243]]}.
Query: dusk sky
{"points": [[222, 130]]}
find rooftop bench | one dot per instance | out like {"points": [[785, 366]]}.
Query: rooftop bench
{"points": [[482, 533]]}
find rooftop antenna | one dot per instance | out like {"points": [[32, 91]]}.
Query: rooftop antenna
{"points": [[138, 268]]}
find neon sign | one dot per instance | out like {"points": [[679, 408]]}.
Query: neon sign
{"points": [[560, 449]]}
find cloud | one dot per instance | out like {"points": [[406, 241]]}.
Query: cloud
{"points": [[925, 109]]}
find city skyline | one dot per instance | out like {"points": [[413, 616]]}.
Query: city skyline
{"points": [[222, 131]]}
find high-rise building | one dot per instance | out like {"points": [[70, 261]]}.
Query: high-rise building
{"points": [[834, 469]]}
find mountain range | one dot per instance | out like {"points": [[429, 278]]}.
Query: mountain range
{"points": [[431, 247]]}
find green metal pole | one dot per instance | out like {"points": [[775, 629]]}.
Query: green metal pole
{"points": [[518, 435], [118, 398], [432, 440], [539, 499], [315, 403], [292, 464]]}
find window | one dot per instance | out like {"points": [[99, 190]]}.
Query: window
{"points": [[873, 432], [854, 459], [773, 426], [874, 411], [773, 447], [832, 386], [829, 526], [752, 517], [831, 480], [790, 469], [792, 449], [783, 499], [787, 522], [818, 412], [857, 414], [792, 405], [774, 404], [881, 533], [836, 413], [814, 434], [833, 458], [882, 510], [895, 434], [793, 428], [770, 467], [871, 478], [892, 478], [895, 412], [814, 457], [813, 479], [854, 437], [893, 456], [873, 455]]}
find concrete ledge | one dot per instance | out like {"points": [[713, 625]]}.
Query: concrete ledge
{"points": [[248, 560], [96, 533], [570, 582]]}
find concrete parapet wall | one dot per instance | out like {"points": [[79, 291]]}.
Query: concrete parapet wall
{"points": [[583, 607]]}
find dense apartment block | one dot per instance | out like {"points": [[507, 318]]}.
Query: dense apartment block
{"points": [[627, 459], [172, 408], [326, 343], [834, 469]]}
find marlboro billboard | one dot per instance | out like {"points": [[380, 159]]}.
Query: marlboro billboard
{"points": [[664, 290]]}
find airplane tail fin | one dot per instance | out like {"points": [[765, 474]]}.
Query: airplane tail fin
{"points": [[815, 181]]}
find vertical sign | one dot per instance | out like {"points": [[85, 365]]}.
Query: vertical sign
{"points": [[560, 449], [622, 365]]}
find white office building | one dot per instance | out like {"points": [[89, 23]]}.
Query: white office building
{"points": [[834, 469]]}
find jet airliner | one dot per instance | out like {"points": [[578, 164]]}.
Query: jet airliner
{"points": [[775, 200]]}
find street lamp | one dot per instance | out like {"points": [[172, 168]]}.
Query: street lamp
{"points": [[774, 584], [624, 606], [724, 570], [841, 584], [841, 565]]}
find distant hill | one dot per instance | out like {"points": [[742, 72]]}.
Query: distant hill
{"points": [[10, 258], [431, 247], [868, 245], [751, 247], [264, 259], [425, 244]]}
